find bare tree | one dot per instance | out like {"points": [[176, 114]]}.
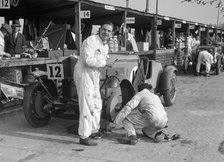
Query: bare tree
{"points": [[218, 3]]}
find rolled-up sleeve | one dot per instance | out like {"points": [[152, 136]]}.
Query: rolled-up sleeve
{"points": [[132, 104]]}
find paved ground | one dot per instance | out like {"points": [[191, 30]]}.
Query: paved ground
{"points": [[198, 115]]}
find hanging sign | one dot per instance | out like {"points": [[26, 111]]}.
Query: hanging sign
{"points": [[4, 4], [85, 14], [107, 7], [202, 29], [178, 25], [210, 30], [191, 27], [159, 22], [130, 20]]}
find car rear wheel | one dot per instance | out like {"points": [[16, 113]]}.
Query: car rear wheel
{"points": [[114, 105], [170, 94], [218, 67], [33, 106]]}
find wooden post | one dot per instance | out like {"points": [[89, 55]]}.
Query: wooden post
{"points": [[199, 33], [155, 31], [78, 33], [207, 36], [124, 16], [173, 34]]}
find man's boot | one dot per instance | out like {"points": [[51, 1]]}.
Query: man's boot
{"points": [[207, 74], [131, 140], [87, 142]]}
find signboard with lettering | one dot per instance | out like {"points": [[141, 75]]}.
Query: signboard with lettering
{"points": [[130, 20], [210, 30], [85, 14], [4, 4], [202, 29], [159, 22], [191, 27], [107, 7], [177, 25]]}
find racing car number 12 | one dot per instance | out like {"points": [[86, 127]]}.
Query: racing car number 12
{"points": [[55, 71]]}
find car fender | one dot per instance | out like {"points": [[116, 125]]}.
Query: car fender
{"points": [[32, 76], [48, 85], [167, 73], [114, 81]]}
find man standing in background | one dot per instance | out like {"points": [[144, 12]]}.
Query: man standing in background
{"points": [[15, 42]]}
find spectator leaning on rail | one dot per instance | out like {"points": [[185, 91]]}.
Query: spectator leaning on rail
{"points": [[206, 58], [144, 110], [15, 42], [4, 31], [94, 53]]}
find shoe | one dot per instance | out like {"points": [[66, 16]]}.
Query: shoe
{"points": [[87, 142], [131, 140], [97, 135], [197, 74], [207, 75]]}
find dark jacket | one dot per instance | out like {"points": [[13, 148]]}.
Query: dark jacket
{"points": [[15, 46]]}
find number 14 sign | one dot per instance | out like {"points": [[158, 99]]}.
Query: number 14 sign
{"points": [[85, 14], [4, 4]]}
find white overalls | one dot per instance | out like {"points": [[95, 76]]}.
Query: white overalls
{"points": [[144, 110], [206, 58], [87, 76]]}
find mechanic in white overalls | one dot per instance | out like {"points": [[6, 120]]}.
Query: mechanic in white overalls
{"points": [[206, 58], [144, 110], [94, 53]]}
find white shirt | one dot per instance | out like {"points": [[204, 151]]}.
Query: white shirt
{"points": [[205, 56], [2, 44], [147, 102]]}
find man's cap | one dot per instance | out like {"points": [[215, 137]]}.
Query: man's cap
{"points": [[7, 28], [16, 23]]}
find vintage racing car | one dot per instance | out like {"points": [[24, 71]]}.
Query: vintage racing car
{"points": [[52, 93]]}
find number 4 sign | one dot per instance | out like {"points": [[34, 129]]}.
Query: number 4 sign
{"points": [[85, 14], [4, 4]]}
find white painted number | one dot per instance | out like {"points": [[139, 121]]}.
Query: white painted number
{"points": [[55, 71], [5, 4]]}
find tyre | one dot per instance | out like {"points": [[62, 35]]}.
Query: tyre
{"points": [[218, 67], [170, 94], [114, 105], [33, 104], [186, 65]]}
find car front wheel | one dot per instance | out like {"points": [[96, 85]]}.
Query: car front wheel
{"points": [[170, 94], [33, 105]]}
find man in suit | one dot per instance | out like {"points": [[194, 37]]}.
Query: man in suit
{"points": [[15, 42]]}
